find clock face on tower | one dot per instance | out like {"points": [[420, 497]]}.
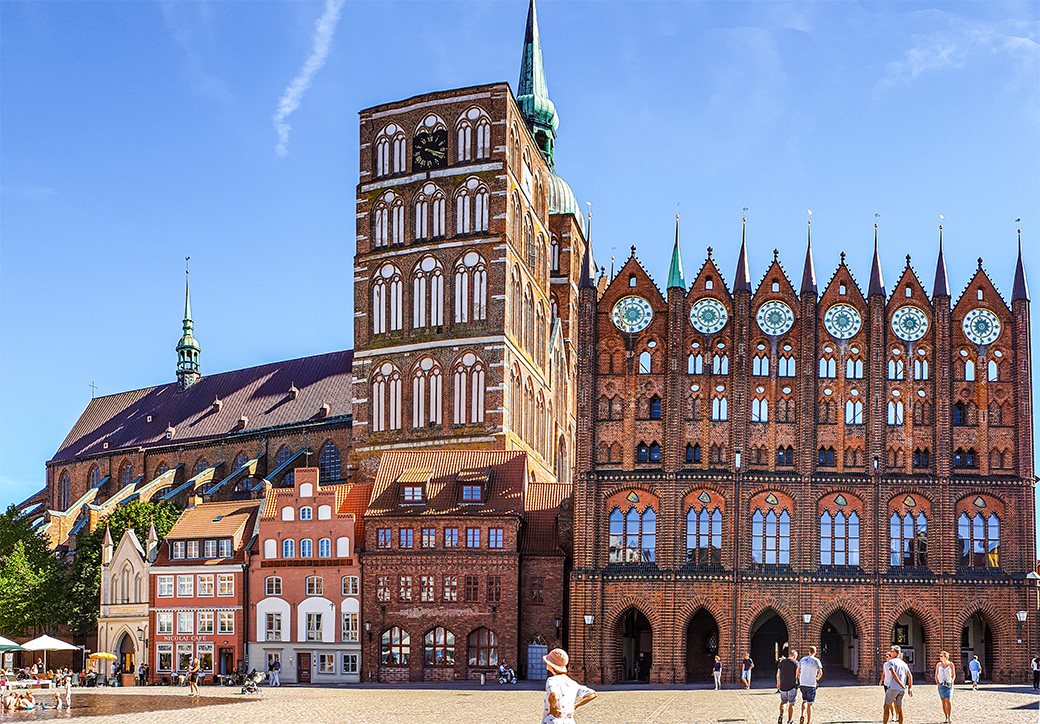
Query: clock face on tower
{"points": [[842, 321], [909, 323], [981, 326], [631, 314], [774, 318], [430, 149], [708, 315]]}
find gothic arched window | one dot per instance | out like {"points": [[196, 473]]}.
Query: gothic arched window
{"points": [[426, 393], [469, 390], [853, 412], [839, 539], [386, 300], [395, 647], [719, 409], [439, 647], [386, 398], [633, 536], [979, 538], [126, 473], [827, 368], [771, 537], [64, 491], [908, 537], [428, 294], [895, 412], [482, 647], [329, 462], [470, 288], [759, 410], [693, 453], [704, 535], [759, 366]]}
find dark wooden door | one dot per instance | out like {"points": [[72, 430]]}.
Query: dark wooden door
{"points": [[303, 670]]}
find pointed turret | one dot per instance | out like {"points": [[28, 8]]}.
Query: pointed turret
{"points": [[742, 280], [152, 543], [588, 264], [809, 270], [941, 287], [1020, 290], [877, 282], [532, 94], [107, 547], [675, 273], [187, 348]]}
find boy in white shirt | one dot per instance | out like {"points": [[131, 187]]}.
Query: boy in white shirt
{"points": [[810, 669], [897, 680], [562, 694]]}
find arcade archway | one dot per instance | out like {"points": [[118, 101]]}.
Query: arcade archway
{"points": [[909, 633], [637, 639], [839, 646], [126, 654], [977, 640], [768, 643], [702, 645]]}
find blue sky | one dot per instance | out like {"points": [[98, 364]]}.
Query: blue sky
{"points": [[137, 133]]}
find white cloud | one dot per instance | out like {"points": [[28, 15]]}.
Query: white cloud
{"points": [[960, 44], [290, 101]]}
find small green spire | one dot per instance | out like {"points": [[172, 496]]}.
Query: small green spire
{"points": [[188, 347], [532, 94], [675, 273]]}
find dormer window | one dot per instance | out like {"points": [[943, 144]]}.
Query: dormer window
{"points": [[412, 494], [472, 494], [193, 549], [178, 549], [472, 484], [225, 548]]}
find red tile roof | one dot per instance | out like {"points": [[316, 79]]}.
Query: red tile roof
{"points": [[507, 471], [232, 518], [542, 505], [261, 394]]}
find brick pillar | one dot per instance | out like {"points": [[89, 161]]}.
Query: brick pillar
{"points": [[1023, 378]]}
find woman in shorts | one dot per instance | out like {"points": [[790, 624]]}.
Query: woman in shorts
{"points": [[945, 675], [193, 678]]}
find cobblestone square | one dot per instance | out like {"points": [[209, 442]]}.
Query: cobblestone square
{"points": [[419, 704]]}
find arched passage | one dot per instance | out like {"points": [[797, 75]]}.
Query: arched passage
{"points": [[702, 645], [977, 640], [637, 638], [908, 632], [126, 653], [768, 636], [839, 646]]}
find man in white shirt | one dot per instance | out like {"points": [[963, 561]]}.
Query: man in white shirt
{"points": [[810, 669], [897, 680]]}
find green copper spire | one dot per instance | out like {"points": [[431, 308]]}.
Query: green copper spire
{"points": [[675, 274], [188, 347], [532, 93]]}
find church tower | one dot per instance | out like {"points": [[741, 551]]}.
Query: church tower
{"points": [[469, 251], [188, 347]]}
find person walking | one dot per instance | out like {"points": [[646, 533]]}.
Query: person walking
{"points": [[1036, 673], [897, 680], [562, 694], [193, 678], [276, 673], [716, 672], [745, 672], [945, 675], [975, 669], [810, 670], [787, 685]]}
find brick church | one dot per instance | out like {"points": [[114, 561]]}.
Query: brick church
{"points": [[650, 477]]}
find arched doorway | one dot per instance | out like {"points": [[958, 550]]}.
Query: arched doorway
{"points": [[126, 654], [977, 640], [908, 634], [637, 638], [702, 645], [839, 646], [768, 643]]}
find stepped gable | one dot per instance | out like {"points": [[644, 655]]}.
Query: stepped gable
{"points": [[259, 394], [502, 472]]}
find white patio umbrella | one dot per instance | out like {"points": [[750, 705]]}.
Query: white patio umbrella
{"points": [[48, 643]]}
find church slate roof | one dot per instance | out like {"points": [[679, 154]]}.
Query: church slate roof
{"points": [[260, 394]]}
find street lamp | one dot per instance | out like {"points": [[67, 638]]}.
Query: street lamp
{"points": [[1021, 616], [589, 620]]}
